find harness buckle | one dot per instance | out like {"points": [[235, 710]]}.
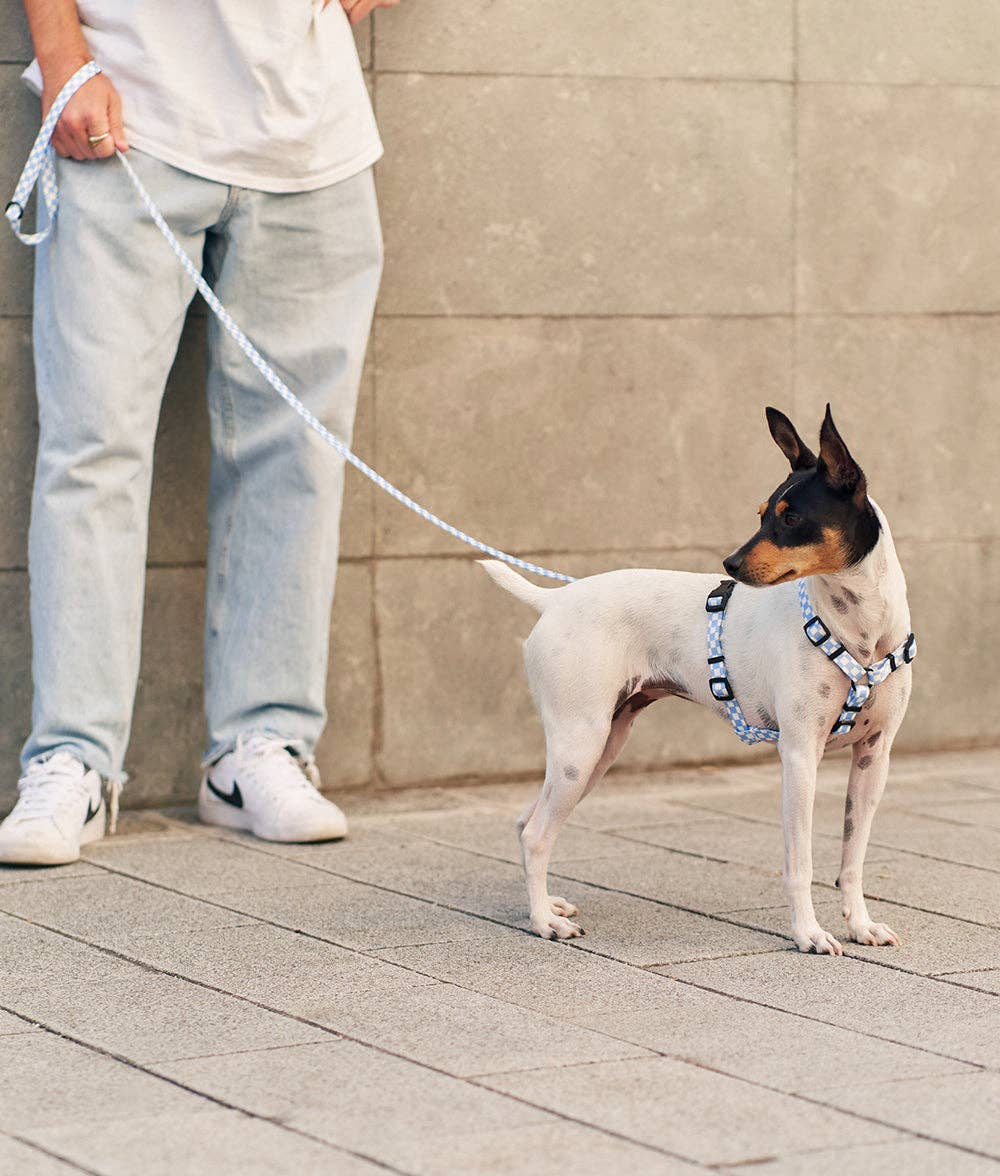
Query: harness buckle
{"points": [[715, 683], [719, 597], [909, 649], [817, 641], [841, 728]]}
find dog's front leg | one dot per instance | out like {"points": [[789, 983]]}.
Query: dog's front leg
{"points": [[869, 771], [798, 790]]}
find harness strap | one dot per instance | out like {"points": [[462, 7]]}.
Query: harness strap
{"points": [[863, 678], [718, 675]]}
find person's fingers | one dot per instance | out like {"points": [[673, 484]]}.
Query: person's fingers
{"points": [[59, 143], [360, 10], [115, 122]]}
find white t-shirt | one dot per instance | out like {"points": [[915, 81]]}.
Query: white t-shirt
{"points": [[264, 94]]}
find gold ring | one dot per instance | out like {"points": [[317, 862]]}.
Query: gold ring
{"points": [[93, 140]]}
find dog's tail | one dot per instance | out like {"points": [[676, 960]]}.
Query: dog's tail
{"points": [[516, 584]]}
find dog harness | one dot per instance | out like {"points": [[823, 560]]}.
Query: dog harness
{"points": [[863, 678]]}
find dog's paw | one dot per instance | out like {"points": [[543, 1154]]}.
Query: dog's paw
{"points": [[872, 934], [561, 907], [556, 927], [817, 940]]}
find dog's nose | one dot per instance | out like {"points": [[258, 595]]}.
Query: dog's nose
{"points": [[732, 564]]}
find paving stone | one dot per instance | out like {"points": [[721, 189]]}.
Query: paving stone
{"points": [[19, 114], [702, 172], [109, 910], [466, 1033], [887, 228], [493, 832], [352, 914], [223, 1142], [882, 1002], [663, 38], [543, 1149], [624, 927], [200, 866], [771, 1048], [929, 943], [274, 967], [15, 874], [14, 35], [943, 887], [728, 839], [29, 1161], [981, 813], [9, 1024], [899, 41], [725, 1121], [962, 1108], [986, 979], [926, 834], [31, 952], [355, 1097], [147, 1016], [916, 1157], [692, 882], [46, 1080]]}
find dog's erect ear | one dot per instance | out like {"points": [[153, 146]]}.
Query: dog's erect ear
{"points": [[836, 465], [799, 455]]}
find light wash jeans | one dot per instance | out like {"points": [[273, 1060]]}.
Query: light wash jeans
{"points": [[299, 272]]}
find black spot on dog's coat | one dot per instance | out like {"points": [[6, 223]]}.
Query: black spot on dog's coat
{"points": [[865, 762], [824, 689], [839, 603], [873, 739], [571, 773]]}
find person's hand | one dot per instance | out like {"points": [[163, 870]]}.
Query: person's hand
{"points": [[93, 109], [357, 10]]}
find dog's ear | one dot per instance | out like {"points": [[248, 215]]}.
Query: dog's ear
{"points": [[799, 455], [836, 465]]}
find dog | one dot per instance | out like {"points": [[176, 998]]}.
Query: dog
{"points": [[606, 646]]}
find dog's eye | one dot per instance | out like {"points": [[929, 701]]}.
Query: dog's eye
{"points": [[791, 519]]}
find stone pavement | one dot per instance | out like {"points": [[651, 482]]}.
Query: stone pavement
{"points": [[189, 1001]]}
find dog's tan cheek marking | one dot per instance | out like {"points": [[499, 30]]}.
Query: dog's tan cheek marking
{"points": [[780, 509]]}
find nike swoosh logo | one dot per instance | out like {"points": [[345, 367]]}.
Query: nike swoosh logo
{"points": [[91, 811], [235, 798]]}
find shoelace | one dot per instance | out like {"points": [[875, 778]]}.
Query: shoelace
{"points": [[298, 772], [43, 787]]}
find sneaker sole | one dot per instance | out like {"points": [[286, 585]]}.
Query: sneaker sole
{"points": [[216, 812], [29, 855]]}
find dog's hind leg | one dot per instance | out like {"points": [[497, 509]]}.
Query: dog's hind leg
{"points": [[573, 756]]}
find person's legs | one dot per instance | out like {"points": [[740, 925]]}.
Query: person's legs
{"points": [[300, 274], [110, 301]]}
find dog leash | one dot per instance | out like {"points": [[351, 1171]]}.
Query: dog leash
{"points": [[40, 168]]}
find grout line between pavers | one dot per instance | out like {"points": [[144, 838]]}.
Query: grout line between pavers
{"points": [[590, 951], [75, 1164], [383, 1049], [335, 1034], [141, 1068]]}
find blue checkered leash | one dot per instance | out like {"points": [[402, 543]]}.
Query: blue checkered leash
{"points": [[40, 167], [863, 678]]}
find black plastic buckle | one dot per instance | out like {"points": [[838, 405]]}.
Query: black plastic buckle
{"points": [[835, 653], [816, 641], [718, 598], [721, 697], [855, 709], [909, 648], [840, 728]]}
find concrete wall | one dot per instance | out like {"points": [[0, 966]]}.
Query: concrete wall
{"points": [[614, 232]]}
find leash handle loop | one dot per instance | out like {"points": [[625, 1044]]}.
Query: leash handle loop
{"points": [[40, 165]]}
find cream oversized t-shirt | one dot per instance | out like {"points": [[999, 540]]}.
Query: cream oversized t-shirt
{"points": [[263, 94]]}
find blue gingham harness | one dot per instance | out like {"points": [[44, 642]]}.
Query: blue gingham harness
{"points": [[863, 678]]}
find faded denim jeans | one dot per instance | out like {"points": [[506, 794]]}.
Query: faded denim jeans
{"points": [[300, 273]]}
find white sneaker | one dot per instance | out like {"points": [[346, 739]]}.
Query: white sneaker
{"points": [[269, 790], [60, 808]]}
